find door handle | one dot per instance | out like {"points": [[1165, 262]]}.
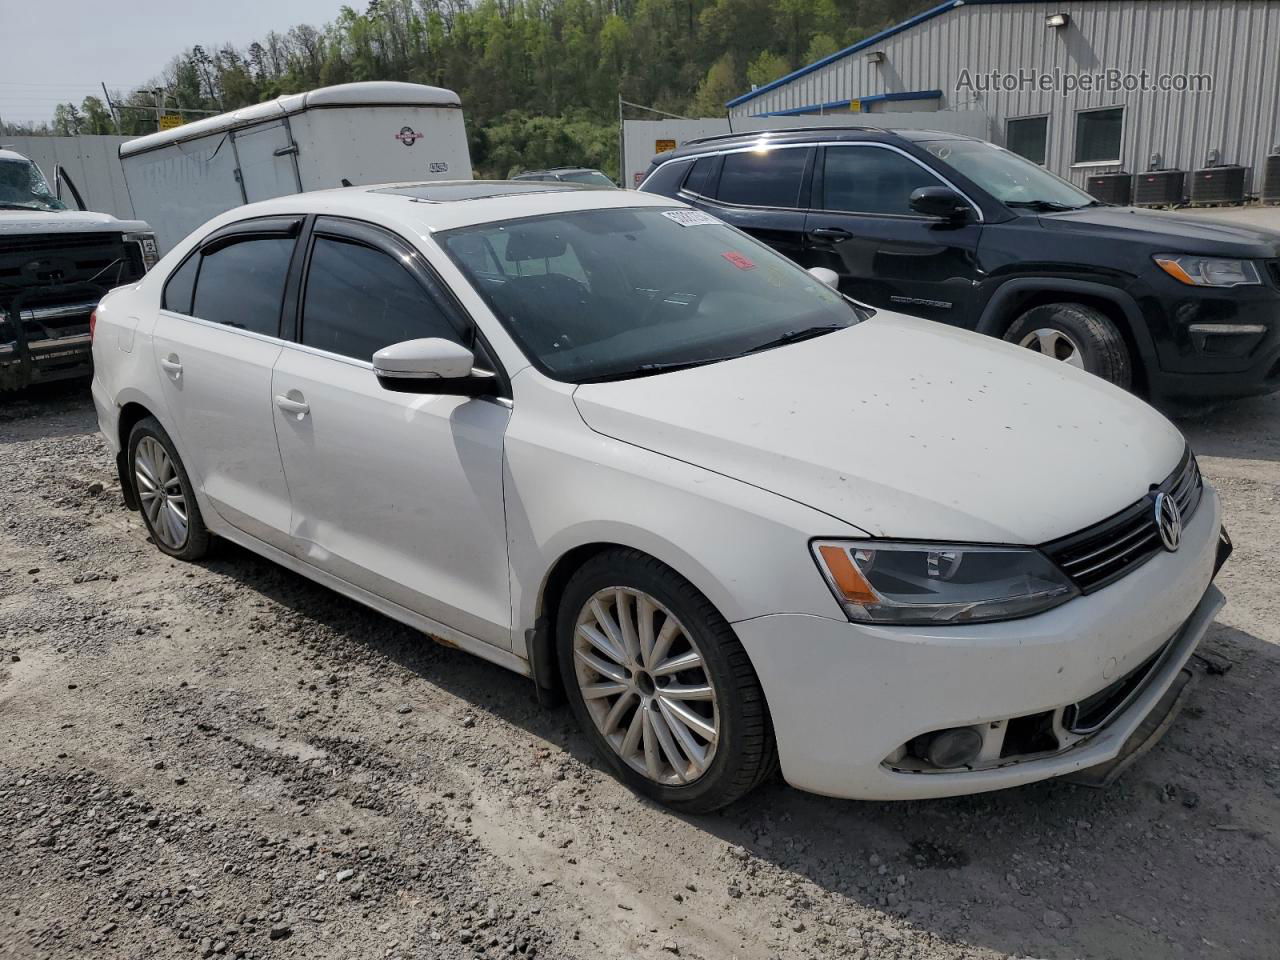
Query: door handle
{"points": [[831, 233], [172, 365], [295, 408]]}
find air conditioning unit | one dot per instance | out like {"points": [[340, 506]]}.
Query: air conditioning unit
{"points": [[1218, 186], [1114, 188], [1159, 188], [1271, 180]]}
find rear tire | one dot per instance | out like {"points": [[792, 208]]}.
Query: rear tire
{"points": [[1076, 334], [707, 738], [166, 497]]}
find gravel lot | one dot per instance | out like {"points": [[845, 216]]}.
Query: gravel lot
{"points": [[225, 760]]}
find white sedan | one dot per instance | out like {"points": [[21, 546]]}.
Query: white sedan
{"points": [[621, 448]]}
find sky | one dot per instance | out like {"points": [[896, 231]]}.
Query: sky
{"points": [[59, 50]]}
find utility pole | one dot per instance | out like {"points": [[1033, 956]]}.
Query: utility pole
{"points": [[112, 107], [158, 93]]}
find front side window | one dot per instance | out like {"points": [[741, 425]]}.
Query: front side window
{"points": [[613, 294], [1011, 179], [768, 178], [1028, 137], [1098, 134], [871, 180], [359, 300], [242, 284]]}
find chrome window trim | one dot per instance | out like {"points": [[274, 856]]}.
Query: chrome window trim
{"points": [[214, 325], [834, 143]]}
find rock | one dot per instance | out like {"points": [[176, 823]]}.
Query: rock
{"points": [[671, 947], [468, 721], [1054, 920], [404, 708], [344, 875], [734, 892], [94, 489], [280, 932]]}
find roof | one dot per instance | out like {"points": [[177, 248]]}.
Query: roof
{"points": [[10, 155], [456, 203], [370, 94], [880, 37]]}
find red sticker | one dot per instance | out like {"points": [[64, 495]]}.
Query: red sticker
{"points": [[738, 260]]}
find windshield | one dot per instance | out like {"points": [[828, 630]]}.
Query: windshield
{"points": [[22, 186], [593, 177], [1011, 179], [612, 294]]}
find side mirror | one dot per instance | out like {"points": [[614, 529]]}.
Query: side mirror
{"points": [[827, 276], [431, 365], [940, 202]]}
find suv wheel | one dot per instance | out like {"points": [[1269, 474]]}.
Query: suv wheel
{"points": [[661, 685], [168, 502], [1076, 334]]}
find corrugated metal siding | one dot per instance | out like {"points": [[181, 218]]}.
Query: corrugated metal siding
{"points": [[1234, 41]]}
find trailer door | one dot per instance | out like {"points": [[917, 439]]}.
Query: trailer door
{"points": [[268, 161]]}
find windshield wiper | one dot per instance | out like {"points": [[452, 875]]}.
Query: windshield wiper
{"points": [[795, 336], [1047, 206], [10, 205], [650, 369]]}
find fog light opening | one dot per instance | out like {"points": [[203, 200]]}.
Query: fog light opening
{"points": [[948, 749]]}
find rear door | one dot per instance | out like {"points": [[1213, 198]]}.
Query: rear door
{"points": [[268, 161], [761, 192], [887, 255], [216, 339]]}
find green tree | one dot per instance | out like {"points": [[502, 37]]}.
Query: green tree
{"points": [[766, 68]]}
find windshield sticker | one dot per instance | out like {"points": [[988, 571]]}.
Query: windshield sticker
{"points": [[738, 260], [689, 218]]}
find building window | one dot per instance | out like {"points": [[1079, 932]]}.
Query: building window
{"points": [[1098, 135], [1028, 138]]}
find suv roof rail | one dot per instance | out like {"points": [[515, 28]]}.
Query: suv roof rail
{"points": [[747, 133]]}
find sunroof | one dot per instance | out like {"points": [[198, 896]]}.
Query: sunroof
{"points": [[475, 189]]}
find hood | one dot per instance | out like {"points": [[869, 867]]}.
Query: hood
{"points": [[1175, 232], [21, 222], [905, 428]]}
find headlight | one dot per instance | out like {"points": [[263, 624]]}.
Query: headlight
{"points": [[920, 583], [147, 244], [1209, 271]]}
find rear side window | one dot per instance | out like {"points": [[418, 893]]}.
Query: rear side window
{"points": [[359, 300], [871, 180], [666, 179], [242, 285], [770, 179], [180, 286], [702, 177]]}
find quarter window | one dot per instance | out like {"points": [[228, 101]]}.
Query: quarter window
{"points": [[769, 179], [241, 285], [871, 180], [1098, 134], [701, 177], [359, 300], [1028, 138], [181, 286]]}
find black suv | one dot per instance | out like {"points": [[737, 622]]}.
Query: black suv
{"points": [[959, 230]]}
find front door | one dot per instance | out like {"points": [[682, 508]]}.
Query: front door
{"points": [[861, 225], [400, 494], [216, 340]]}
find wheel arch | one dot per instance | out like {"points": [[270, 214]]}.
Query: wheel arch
{"points": [[1016, 297], [132, 412]]}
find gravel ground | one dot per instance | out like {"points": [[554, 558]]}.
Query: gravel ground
{"points": [[225, 760]]}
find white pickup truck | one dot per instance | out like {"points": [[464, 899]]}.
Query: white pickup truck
{"points": [[55, 265]]}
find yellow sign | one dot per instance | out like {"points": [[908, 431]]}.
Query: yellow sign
{"points": [[855, 106], [170, 120], [662, 146]]}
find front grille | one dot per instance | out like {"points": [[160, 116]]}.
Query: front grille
{"points": [[1094, 712], [56, 260], [1107, 551]]}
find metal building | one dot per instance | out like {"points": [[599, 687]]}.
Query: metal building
{"points": [[1082, 86]]}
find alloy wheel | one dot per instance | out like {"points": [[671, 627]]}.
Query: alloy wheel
{"points": [[160, 491], [1054, 343], [646, 685]]}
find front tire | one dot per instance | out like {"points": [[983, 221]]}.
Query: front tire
{"points": [[165, 495], [1078, 335], [661, 685]]}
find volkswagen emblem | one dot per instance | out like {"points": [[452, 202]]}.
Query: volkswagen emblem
{"points": [[1168, 521]]}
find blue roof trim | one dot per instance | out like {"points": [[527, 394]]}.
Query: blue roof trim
{"points": [[860, 45], [874, 98]]}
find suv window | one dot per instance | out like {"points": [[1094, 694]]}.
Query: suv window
{"points": [[181, 286], [700, 177], [770, 179], [871, 180], [242, 284], [359, 300], [666, 178]]}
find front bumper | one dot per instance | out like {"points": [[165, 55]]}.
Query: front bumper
{"points": [[844, 697]]}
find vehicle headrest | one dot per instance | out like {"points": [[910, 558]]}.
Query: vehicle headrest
{"points": [[530, 243]]}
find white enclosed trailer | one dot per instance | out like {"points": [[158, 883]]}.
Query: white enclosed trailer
{"points": [[360, 133]]}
